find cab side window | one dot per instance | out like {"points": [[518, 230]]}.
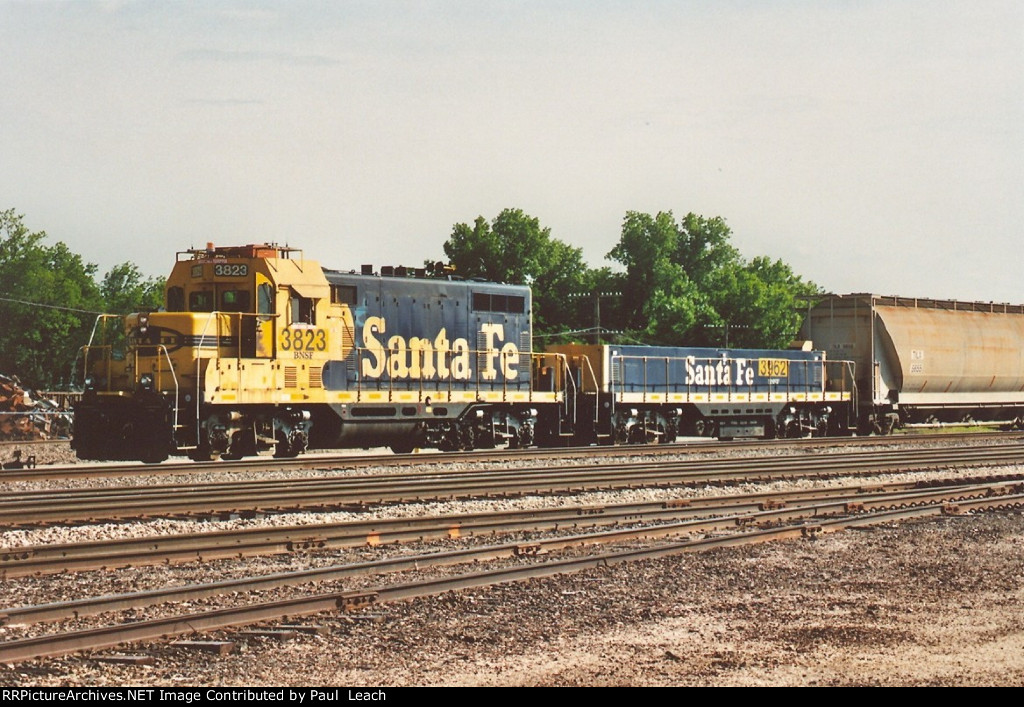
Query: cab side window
{"points": [[303, 309], [200, 301], [234, 301], [265, 299], [175, 299]]}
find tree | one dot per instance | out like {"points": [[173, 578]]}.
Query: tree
{"points": [[48, 301], [686, 284], [125, 290], [515, 249], [645, 248]]}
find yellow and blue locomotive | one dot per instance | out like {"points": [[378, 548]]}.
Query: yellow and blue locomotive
{"points": [[261, 350]]}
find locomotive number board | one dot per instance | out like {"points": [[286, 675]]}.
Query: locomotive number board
{"points": [[303, 340], [773, 368]]}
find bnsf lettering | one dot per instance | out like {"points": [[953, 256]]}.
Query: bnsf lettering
{"points": [[439, 357]]}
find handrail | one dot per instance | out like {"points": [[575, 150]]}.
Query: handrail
{"points": [[89, 345], [593, 377], [618, 387], [215, 314]]}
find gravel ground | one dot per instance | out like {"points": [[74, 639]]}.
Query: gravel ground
{"points": [[927, 603], [921, 603]]}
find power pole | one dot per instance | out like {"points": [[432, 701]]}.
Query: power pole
{"points": [[597, 309], [726, 327]]}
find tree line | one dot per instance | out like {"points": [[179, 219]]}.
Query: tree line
{"points": [[49, 300], [684, 283], [678, 282]]}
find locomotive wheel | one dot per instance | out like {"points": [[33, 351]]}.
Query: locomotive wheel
{"points": [[467, 438], [404, 447], [203, 453], [153, 453]]}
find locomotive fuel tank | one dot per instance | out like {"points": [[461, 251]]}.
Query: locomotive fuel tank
{"points": [[925, 361]]}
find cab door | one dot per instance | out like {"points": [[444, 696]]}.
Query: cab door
{"points": [[265, 315]]}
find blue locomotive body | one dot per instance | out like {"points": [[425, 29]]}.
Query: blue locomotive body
{"points": [[715, 371], [647, 393], [431, 362]]}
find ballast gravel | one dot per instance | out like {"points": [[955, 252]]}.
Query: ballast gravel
{"points": [[934, 602]]}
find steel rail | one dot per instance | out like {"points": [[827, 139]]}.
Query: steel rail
{"points": [[105, 637], [349, 461], [163, 549], [724, 463], [84, 505], [813, 508], [393, 479]]}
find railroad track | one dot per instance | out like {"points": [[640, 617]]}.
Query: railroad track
{"points": [[21, 509], [499, 456], [817, 516], [205, 547]]}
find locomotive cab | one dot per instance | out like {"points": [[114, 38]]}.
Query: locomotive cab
{"points": [[203, 377]]}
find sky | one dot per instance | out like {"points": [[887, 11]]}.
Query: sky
{"points": [[873, 146]]}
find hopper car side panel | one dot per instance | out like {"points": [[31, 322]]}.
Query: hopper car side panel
{"points": [[926, 361]]}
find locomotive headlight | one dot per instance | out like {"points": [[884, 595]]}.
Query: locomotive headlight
{"points": [[89, 384], [146, 381]]}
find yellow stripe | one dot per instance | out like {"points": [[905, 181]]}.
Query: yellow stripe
{"points": [[442, 396]]}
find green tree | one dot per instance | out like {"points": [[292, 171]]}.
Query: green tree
{"points": [[48, 302], [515, 249], [125, 290], [686, 284], [645, 248]]}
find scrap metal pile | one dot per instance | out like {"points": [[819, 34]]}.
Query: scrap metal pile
{"points": [[28, 416]]}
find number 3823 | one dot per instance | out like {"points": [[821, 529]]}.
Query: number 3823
{"points": [[303, 340]]}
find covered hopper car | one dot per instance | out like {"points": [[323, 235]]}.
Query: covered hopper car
{"points": [[925, 361]]}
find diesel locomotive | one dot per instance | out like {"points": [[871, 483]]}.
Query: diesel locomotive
{"points": [[260, 350]]}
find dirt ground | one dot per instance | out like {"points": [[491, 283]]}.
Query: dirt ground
{"points": [[938, 602]]}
